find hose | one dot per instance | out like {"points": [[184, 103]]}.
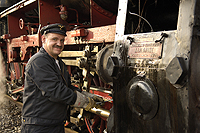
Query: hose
{"points": [[143, 19], [88, 126]]}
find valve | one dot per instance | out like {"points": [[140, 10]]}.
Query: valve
{"points": [[63, 12]]}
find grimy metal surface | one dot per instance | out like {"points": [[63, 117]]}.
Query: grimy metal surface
{"points": [[174, 75]]}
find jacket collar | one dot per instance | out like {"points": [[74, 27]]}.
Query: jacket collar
{"points": [[45, 52]]}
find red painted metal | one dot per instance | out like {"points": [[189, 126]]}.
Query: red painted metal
{"points": [[79, 33], [49, 14], [69, 70], [77, 18], [95, 35], [14, 17], [24, 38], [23, 70], [102, 126], [96, 121], [23, 43], [6, 36], [101, 82], [100, 16], [17, 70], [2, 44], [13, 27]]}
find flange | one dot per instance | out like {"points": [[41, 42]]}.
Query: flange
{"points": [[142, 97], [101, 63]]}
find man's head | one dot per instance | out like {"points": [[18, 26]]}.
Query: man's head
{"points": [[53, 37]]}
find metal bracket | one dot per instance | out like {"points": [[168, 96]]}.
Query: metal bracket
{"points": [[121, 19]]}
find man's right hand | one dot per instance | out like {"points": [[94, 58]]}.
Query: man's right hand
{"points": [[93, 96], [90, 104], [85, 102]]}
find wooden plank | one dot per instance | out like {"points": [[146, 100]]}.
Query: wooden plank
{"points": [[70, 62], [72, 54]]}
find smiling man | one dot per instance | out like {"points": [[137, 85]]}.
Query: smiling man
{"points": [[53, 43], [48, 92]]}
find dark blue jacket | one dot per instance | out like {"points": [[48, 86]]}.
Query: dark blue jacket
{"points": [[46, 96]]}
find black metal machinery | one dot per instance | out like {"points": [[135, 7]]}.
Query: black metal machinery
{"points": [[155, 74]]}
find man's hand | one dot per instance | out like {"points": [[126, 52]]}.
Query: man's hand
{"points": [[90, 104], [83, 101], [93, 96]]}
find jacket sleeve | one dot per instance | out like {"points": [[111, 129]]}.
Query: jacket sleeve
{"points": [[42, 72]]}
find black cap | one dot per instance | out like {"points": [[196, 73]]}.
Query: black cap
{"points": [[54, 28]]}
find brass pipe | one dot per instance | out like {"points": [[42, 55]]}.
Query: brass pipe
{"points": [[100, 111]]}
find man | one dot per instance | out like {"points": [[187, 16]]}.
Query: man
{"points": [[48, 91]]}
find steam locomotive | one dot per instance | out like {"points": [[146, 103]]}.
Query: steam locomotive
{"points": [[141, 56]]}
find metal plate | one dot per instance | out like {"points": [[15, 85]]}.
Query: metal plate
{"points": [[145, 50]]}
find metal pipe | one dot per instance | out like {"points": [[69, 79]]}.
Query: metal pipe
{"points": [[100, 111], [15, 7], [101, 89]]}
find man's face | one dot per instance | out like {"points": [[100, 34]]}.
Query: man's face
{"points": [[53, 43]]}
